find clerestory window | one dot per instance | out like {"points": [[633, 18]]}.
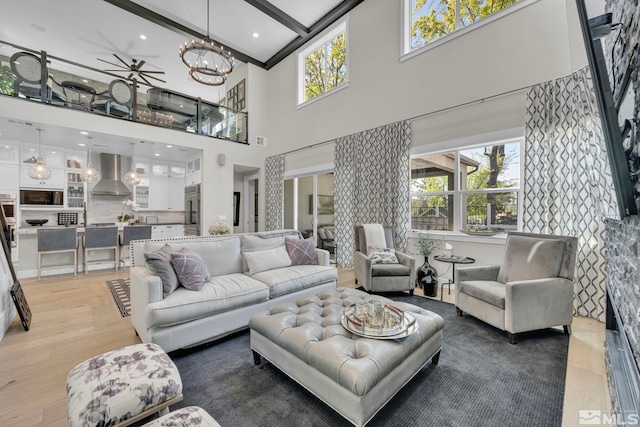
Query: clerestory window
{"points": [[322, 66]]}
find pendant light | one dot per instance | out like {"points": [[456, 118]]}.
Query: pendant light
{"points": [[40, 171], [89, 174], [132, 177]]}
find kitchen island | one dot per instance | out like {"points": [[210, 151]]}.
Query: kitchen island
{"points": [[27, 247]]}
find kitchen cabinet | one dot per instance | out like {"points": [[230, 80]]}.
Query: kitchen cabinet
{"points": [[167, 231], [160, 193], [75, 161], [9, 183], [9, 153], [194, 172], [56, 181]]}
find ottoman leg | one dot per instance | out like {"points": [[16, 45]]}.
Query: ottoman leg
{"points": [[436, 358]]}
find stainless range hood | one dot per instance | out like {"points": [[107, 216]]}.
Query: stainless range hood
{"points": [[110, 184]]}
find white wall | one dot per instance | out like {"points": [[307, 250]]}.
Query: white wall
{"points": [[526, 47]]}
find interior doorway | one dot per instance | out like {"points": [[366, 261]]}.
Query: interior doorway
{"points": [[251, 212]]}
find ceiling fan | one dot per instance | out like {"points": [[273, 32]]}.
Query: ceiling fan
{"points": [[134, 68]]}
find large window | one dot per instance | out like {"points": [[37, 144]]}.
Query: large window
{"points": [[466, 189], [430, 20], [323, 65]]}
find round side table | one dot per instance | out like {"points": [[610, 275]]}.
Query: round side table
{"points": [[452, 260]]}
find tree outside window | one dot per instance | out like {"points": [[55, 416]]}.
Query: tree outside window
{"points": [[434, 19], [325, 68]]}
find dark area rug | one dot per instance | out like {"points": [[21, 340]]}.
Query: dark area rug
{"points": [[120, 291], [481, 380]]}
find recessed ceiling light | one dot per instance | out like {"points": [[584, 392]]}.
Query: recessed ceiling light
{"points": [[32, 149], [84, 132], [85, 80], [169, 146], [82, 144], [143, 37], [156, 154], [256, 35]]}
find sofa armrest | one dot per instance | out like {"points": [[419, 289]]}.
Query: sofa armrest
{"points": [[323, 257], [408, 261], [145, 288], [479, 272], [537, 304], [362, 269]]}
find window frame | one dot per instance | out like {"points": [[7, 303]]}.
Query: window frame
{"points": [[458, 194], [341, 26], [407, 53]]}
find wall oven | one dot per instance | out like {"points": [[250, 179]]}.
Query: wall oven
{"points": [[9, 208], [42, 197], [192, 210]]}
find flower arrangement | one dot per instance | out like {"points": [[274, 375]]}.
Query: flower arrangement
{"points": [[219, 228], [127, 217], [428, 246]]}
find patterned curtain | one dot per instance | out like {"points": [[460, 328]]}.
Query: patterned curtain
{"points": [[274, 189], [567, 182], [372, 179]]}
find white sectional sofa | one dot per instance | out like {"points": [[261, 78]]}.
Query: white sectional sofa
{"points": [[235, 291]]}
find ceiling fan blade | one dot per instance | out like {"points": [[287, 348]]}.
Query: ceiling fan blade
{"points": [[152, 72], [117, 71], [120, 59], [144, 80], [111, 63], [139, 65], [129, 76], [152, 77]]}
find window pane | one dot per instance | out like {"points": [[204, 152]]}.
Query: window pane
{"points": [[495, 166], [433, 173], [433, 19], [325, 68], [502, 209], [432, 212]]}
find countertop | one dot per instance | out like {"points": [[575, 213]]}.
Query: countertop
{"points": [[80, 228]]}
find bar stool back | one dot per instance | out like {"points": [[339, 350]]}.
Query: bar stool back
{"points": [[130, 233], [100, 238], [62, 240]]}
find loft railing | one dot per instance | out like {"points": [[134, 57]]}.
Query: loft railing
{"points": [[40, 77]]}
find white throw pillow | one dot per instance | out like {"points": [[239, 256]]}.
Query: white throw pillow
{"points": [[267, 260]]}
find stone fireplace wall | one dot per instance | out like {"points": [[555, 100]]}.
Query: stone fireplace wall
{"points": [[623, 237]]}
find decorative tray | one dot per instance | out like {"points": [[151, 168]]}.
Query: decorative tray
{"points": [[398, 323]]}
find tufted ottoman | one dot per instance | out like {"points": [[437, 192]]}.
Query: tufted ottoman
{"points": [[355, 376], [122, 386], [191, 416]]}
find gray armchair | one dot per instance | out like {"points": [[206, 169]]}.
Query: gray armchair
{"points": [[532, 288], [383, 277]]}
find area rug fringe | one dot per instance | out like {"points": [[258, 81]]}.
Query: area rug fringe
{"points": [[120, 291]]}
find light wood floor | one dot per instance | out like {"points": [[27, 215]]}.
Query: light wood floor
{"points": [[75, 318]]}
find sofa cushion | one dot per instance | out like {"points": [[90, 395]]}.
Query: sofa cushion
{"points": [[282, 281], [159, 263], [529, 258], [267, 260], [190, 269], [261, 242], [220, 294], [302, 252], [488, 291]]}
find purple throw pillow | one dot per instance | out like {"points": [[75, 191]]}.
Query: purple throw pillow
{"points": [[302, 252], [190, 269]]}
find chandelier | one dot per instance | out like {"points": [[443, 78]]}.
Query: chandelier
{"points": [[40, 170], [209, 63]]}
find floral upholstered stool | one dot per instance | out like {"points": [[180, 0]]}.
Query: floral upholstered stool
{"points": [[122, 386], [191, 416]]}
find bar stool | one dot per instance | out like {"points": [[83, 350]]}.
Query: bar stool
{"points": [[57, 241], [130, 233], [100, 238]]}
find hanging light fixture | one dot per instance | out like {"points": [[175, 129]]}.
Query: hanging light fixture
{"points": [[40, 170], [89, 174], [132, 177], [209, 63]]}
